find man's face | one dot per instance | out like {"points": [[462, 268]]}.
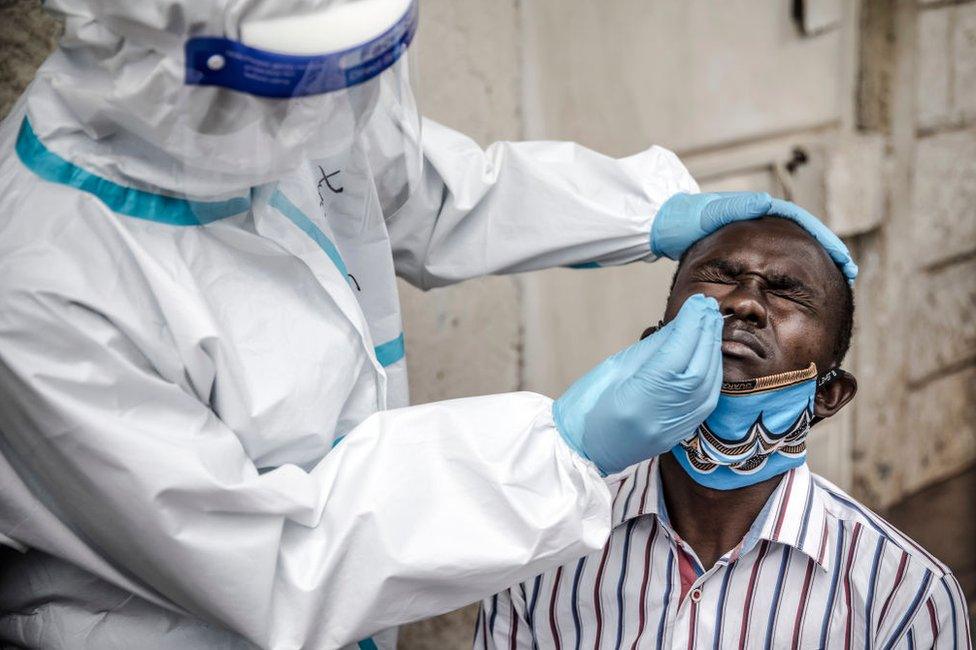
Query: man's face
{"points": [[780, 289]]}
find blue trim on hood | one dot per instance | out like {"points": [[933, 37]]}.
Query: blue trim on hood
{"points": [[127, 201]]}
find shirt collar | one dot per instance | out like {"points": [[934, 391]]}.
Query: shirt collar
{"points": [[795, 514], [798, 517], [636, 492]]}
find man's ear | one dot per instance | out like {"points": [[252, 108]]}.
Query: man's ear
{"points": [[832, 396]]}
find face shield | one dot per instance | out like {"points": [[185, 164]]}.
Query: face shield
{"points": [[208, 98], [303, 87]]}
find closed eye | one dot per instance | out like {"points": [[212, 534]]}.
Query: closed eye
{"points": [[716, 272], [712, 277], [791, 294], [792, 290]]}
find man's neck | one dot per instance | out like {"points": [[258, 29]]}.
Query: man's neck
{"points": [[711, 521]]}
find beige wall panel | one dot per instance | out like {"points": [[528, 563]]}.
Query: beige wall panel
{"points": [[934, 72], [944, 204], [941, 426], [467, 53], [942, 322], [462, 340], [877, 360], [622, 74], [964, 62], [946, 59]]}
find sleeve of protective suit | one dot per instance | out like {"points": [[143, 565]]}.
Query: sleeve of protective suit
{"points": [[417, 511], [523, 206]]}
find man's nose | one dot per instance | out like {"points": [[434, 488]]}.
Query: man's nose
{"points": [[746, 302]]}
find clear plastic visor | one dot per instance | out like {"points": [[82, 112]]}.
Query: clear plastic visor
{"points": [[252, 115]]}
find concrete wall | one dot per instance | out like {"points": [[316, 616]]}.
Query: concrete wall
{"points": [[916, 346], [879, 96]]}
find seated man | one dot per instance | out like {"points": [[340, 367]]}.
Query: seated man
{"points": [[729, 541]]}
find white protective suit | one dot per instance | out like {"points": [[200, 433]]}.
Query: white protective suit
{"points": [[172, 392]]}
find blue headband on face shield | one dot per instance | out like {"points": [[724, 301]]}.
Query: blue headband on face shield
{"points": [[758, 430], [219, 61]]}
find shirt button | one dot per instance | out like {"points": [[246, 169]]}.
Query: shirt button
{"points": [[696, 595]]}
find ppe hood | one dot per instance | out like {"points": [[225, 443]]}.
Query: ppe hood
{"points": [[205, 98]]}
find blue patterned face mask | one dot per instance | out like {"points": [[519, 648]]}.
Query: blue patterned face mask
{"points": [[758, 430]]}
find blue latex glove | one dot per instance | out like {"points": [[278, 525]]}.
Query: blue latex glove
{"points": [[686, 218], [642, 401]]}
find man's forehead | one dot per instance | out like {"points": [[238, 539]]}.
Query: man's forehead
{"points": [[773, 244]]}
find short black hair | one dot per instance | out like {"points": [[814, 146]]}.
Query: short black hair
{"points": [[845, 310], [845, 328]]}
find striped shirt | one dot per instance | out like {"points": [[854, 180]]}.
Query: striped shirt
{"points": [[816, 570]]}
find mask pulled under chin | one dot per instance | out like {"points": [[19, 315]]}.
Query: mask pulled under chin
{"points": [[758, 430]]}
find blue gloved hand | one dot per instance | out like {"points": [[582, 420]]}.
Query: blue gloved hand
{"points": [[686, 218], [642, 401]]}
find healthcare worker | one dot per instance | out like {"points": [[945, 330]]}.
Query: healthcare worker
{"points": [[204, 433]]}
